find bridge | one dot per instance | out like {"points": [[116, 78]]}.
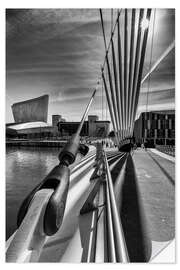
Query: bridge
{"points": [[120, 203]]}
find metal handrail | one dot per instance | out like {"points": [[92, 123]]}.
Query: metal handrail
{"points": [[110, 229], [28, 241], [117, 235]]}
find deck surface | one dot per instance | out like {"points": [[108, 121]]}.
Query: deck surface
{"points": [[156, 180], [144, 185]]}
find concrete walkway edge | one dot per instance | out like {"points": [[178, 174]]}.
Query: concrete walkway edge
{"points": [[168, 157]]}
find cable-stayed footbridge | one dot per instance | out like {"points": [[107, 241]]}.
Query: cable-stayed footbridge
{"points": [[115, 204]]}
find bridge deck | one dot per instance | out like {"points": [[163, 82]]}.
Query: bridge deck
{"points": [[149, 219], [156, 179], [145, 192]]}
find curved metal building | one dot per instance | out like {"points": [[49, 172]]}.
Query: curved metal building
{"points": [[31, 110]]}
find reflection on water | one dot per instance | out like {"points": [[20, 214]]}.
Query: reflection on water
{"points": [[25, 168]]}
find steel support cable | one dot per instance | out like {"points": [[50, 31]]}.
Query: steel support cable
{"points": [[150, 61], [106, 98], [160, 59], [113, 66], [114, 28], [102, 100], [110, 231], [111, 20], [136, 65], [119, 240], [110, 107], [143, 51], [125, 66], [107, 47], [121, 85], [112, 93], [102, 24], [109, 75], [116, 87], [131, 63]]}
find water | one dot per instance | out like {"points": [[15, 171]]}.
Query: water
{"points": [[25, 168]]}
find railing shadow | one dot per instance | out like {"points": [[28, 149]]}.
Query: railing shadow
{"points": [[117, 168], [133, 217]]}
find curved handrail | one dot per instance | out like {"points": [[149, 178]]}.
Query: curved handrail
{"points": [[29, 239]]}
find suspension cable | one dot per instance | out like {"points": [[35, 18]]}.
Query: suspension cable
{"points": [[143, 50], [136, 64], [150, 62], [102, 24], [102, 98], [114, 28], [131, 64], [125, 66], [110, 107], [113, 98], [116, 86], [121, 85]]}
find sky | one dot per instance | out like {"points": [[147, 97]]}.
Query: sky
{"points": [[59, 52]]}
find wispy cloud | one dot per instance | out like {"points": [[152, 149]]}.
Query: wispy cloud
{"points": [[59, 52]]}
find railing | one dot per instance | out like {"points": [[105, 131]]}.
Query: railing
{"points": [[28, 242], [167, 149], [117, 245], [57, 185]]}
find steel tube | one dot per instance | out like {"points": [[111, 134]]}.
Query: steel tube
{"points": [[121, 249], [125, 67], [110, 107], [112, 92], [100, 234], [143, 51], [136, 64], [111, 244], [85, 113], [121, 85], [131, 63], [116, 87]]}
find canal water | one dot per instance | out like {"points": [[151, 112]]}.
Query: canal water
{"points": [[25, 168]]}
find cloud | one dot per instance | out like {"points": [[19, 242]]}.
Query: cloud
{"points": [[155, 107], [157, 97], [59, 52]]}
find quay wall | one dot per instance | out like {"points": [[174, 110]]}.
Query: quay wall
{"points": [[34, 143]]}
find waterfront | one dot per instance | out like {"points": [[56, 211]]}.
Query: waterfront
{"points": [[104, 80], [25, 168]]}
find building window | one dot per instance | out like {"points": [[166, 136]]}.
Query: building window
{"points": [[161, 133], [170, 123], [152, 133]]}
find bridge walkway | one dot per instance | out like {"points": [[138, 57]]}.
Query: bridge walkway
{"points": [[156, 180], [149, 185]]}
